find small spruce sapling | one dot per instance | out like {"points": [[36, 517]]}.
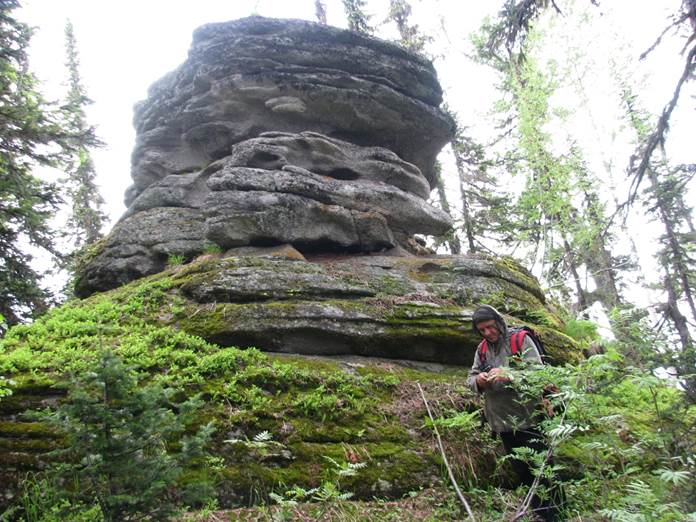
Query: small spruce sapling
{"points": [[126, 443]]}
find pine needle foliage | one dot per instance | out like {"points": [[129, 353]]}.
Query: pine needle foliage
{"points": [[410, 36], [664, 200], [127, 446], [358, 20], [86, 218], [32, 135]]}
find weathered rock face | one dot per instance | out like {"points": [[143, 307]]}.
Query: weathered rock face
{"points": [[286, 134], [274, 132], [254, 75], [416, 308]]}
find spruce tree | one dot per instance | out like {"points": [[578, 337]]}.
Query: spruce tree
{"points": [[684, 22], [127, 443], [31, 135], [451, 239], [409, 35], [358, 20], [86, 218], [558, 213], [485, 206], [664, 201]]}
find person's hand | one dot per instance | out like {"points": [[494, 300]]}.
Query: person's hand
{"points": [[482, 381], [497, 375]]}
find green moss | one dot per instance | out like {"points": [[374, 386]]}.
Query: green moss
{"points": [[27, 445], [17, 403], [22, 461], [30, 430], [398, 467], [35, 384], [312, 407]]}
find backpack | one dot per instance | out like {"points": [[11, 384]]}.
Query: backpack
{"points": [[516, 340]]}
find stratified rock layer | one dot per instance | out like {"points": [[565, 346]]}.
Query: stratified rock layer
{"points": [[316, 193], [416, 308], [279, 132], [253, 75]]}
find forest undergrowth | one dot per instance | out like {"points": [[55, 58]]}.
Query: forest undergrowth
{"points": [[623, 439]]}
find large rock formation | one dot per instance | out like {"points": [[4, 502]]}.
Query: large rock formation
{"points": [[279, 131], [311, 143]]}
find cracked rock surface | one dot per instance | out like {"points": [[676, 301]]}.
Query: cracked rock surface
{"points": [[279, 132]]}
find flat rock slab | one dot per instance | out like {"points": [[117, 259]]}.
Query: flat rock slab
{"points": [[400, 308]]}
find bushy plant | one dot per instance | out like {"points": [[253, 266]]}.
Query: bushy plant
{"points": [[212, 248], [581, 330], [126, 443], [44, 499], [623, 435], [175, 260]]}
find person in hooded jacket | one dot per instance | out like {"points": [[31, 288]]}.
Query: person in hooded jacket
{"points": [[510, 416]]}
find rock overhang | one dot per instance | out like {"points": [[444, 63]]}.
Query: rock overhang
{"points": [[254, 75], [275, 132]]}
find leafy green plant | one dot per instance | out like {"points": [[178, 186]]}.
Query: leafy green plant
{"points": [[5, 387], [212, 248], [44, 498], [641, 502], [463, 422], [261, 445], [329, 490], [333, 399], [175, 260], [581, 330], [119, 433]]}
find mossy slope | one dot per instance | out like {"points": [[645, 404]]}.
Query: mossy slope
{"points": [[313, 408]]}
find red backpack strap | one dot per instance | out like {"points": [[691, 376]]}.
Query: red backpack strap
{"points": [[516, 341], [482, 349]]}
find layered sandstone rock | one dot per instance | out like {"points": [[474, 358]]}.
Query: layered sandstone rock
{"points": [[275, 132], [255, 75]]}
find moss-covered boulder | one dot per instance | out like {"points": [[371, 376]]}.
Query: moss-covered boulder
{"points": [[315, 411], [415, 308], [324, 402]]}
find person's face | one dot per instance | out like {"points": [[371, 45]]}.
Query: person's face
{"points": [[489, 330]]}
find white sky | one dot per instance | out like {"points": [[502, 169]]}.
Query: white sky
{"points": [[125, 46]]}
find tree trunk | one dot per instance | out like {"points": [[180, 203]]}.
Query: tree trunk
{"points": [[673, 246], [454, 245]]}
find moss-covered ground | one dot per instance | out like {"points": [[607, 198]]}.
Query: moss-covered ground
{"points": [[312, 409], [289, 423]]}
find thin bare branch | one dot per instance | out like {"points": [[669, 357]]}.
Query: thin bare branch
{"points": [[658, 40], [444, 458]]}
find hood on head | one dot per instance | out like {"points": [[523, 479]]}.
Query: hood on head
{"points": [[486, 313]]}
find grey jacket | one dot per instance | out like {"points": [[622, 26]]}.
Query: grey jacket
{"points": [[503, 406]]}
